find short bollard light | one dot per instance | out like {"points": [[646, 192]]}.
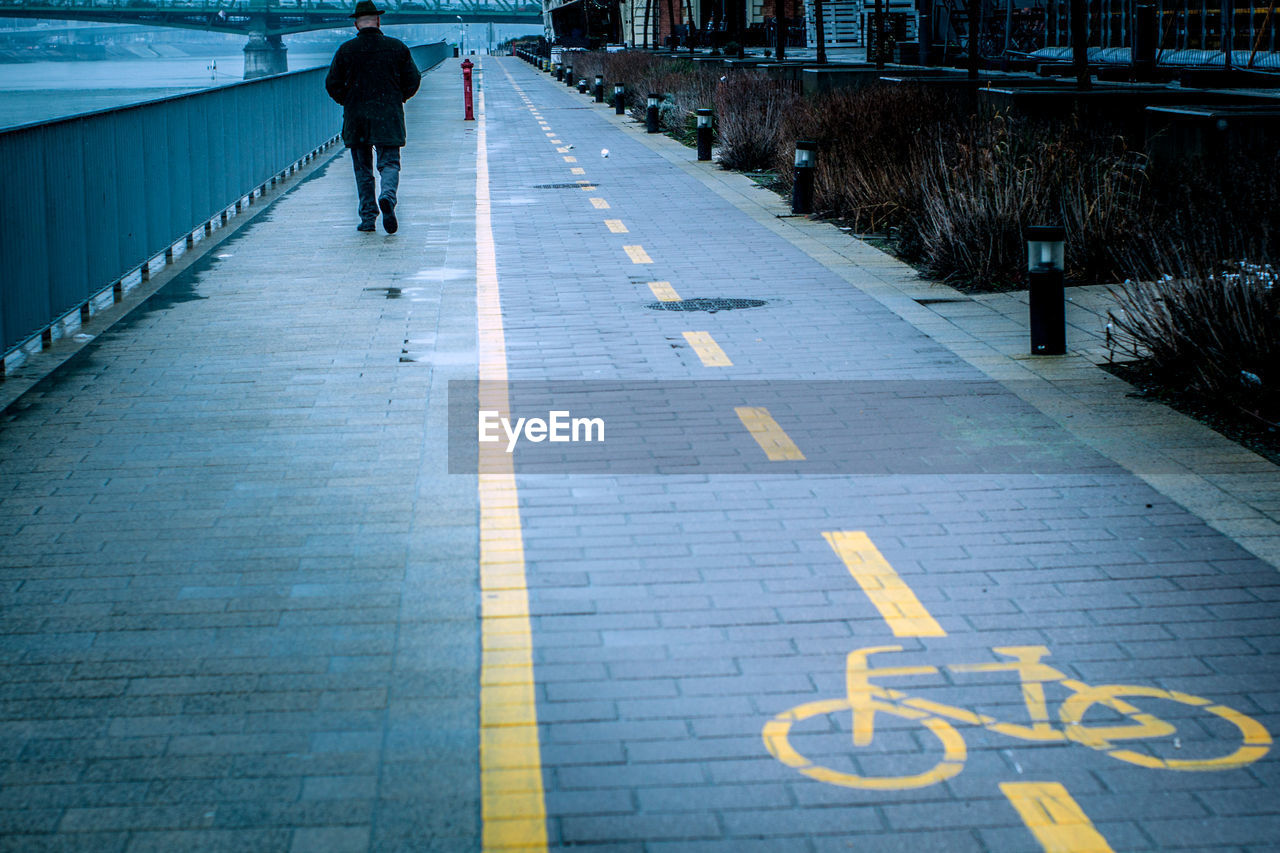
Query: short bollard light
{"points": [[558, 71], [802, 185], [568, 75], [619, 106], [582, 86], [704, 134], [651, 114], [599, 89], [1046, 254]]}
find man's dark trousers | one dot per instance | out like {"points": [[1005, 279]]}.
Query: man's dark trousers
{"points": [[388, 171]]}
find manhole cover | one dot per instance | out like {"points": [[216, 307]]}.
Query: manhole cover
{"points": [[710, 305]]}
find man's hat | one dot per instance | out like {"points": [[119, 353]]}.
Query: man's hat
{"points": [[364, 8]]}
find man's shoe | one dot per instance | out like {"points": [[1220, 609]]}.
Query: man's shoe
{"points": [[366, 226], [388, 208]]}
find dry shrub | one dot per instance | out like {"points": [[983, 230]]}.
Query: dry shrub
{"points": [[977, 197], [684, 87], [750, 108], [873, 145], [1216, 334], [1197, 214], [998, 177]]}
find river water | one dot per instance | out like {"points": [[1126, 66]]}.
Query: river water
{"points": [[40, 91]]}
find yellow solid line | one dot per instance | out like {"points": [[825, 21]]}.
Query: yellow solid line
{"points": [[599, 204], [773, 440], [637, 254], [1056, 820], [664, 291], [906, 616], [707, 349], [616, 226], [513, 805]]}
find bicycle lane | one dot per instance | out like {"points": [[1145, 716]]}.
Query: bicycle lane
{"points": [[675, 617]]}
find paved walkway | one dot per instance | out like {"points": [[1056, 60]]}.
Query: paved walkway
{"points": [[827, 586]]}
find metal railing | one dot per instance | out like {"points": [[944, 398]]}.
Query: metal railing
{"points": [[88, 200]]}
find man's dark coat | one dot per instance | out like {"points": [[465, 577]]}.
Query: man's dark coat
{"points": [[372, 75]]}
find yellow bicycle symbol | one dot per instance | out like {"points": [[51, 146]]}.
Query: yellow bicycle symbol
{"points": [[864, 700]]}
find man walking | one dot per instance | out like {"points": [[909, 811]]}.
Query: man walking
{"points": [[372, 75]]}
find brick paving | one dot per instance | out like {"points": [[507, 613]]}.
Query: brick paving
{"points": [[240, 587]]}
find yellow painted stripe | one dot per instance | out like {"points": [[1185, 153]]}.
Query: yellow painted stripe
{"points": [[599, 204], [565, 149], [1056, 820], [616, 226], [577, 170], [571, 159], [707, 349], [637, 254], [513, 805], [906, 616], [773, 440], [664, 291]]}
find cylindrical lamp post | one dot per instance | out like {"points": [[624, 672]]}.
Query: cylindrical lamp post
{"points": [[599, 89], [1045, 266], [619, 105], [802, 185], [704, 134], [651, 114]]}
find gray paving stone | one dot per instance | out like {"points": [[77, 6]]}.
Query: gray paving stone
{"points": [[238, 581]]}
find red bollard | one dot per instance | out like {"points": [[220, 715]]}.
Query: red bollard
{"points": [[467, 65]]}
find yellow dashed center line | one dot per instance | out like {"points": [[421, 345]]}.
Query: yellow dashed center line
{"points": [[616, 226], [565, 149], [637, 254], [599, 204], [577, 170], [773, 440], [571, 159], [707, 349], [664, 291], [1056, 820], [904, 613]]}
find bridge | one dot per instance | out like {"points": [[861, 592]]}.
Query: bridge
{"points": [[265, 22]]}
